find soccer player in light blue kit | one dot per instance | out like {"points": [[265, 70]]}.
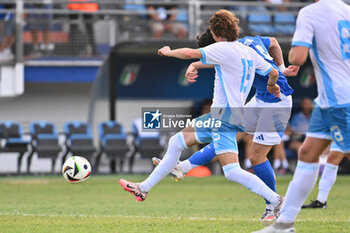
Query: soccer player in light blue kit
{"points": [[323, 29], [235, 66], [266, 116]]}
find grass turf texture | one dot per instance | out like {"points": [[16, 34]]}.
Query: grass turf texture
{"points": [[213, 204]]}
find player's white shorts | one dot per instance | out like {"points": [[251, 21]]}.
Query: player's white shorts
{"points": [[267, 121]]}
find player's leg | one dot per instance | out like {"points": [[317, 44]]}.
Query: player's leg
{"points": [[177, 143], [325, 125], [225, 146], [270, 125], [264, 171], [304, 178], [184, 139], [328, 177], [201, 157], [340, 135], [233, 172]]}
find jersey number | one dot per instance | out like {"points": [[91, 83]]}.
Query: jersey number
{"points": [[337, 133], [344, 34], [247, 64]]}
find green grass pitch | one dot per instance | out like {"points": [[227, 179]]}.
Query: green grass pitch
{"points": [[49, 204]]}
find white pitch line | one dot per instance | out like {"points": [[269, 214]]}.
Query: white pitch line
{"points": [[160, 217]]}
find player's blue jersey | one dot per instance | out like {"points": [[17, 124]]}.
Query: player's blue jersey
{"points": [[261, 46]]}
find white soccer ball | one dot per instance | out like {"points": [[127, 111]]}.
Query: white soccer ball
{"points": [[76, 169]]}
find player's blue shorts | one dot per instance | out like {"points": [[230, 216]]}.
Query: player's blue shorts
{"points": [[333, 124], [223, 138], [335, 147]]}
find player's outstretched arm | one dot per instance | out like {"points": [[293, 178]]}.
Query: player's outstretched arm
{"points": [[272, 87], [183, 53], [298, 55], [276, 53]]}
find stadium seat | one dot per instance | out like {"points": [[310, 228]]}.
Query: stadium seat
{"points": [[284, 23], [11, 139], [79, 140], [134, 26], [260, 23], [147, 144], [44, 142], [113, 143]]}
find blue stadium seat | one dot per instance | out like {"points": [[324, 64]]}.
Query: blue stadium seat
{"points": [[261, 24], [141, 8], [284, 23], [79, 140], [147, 144], [182, 15], [11, 138], [284, 18], [113, 143], [44, 142]]}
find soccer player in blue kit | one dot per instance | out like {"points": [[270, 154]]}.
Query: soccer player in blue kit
{"points": [[323, 30], [266, 116], [235, 66]]}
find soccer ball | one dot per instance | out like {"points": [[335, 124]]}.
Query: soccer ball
{"points": [[76, 169]]}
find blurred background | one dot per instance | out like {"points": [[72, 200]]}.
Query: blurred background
{"points": [[75, 75]]}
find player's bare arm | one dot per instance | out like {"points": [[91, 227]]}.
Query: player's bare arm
{"points": [[276, 53], [182, 53], [272, 87], [298, 55], [192, 70]]}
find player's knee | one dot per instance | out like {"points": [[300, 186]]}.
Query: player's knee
{"points": [[231, 173], [257, 157], [306, 154], [254, 159], [178, 141], [173, 140], [335, 157]]}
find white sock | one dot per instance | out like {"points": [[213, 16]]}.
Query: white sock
{"points": [[276, 164], [235, 173], [176, 145], [285, 164], [247, 164], [269, 207], [304, 180], [186, 166], [328, 178]]}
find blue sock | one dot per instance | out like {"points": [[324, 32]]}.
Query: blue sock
{"points": [[203, 156], [265, 172]]}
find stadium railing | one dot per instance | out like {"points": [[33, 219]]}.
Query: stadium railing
{"points": [[121, 20]]}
